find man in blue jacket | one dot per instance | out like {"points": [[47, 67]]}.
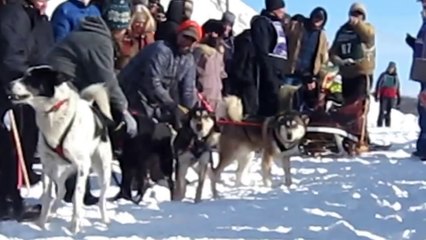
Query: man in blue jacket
{"points": [[68, 15]]}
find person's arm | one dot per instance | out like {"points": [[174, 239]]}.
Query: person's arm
{"points": [[333, 53], [187, 85], [398, 91], [14, 32], [152, 84], [60, 23], [103, 71], [378, 85]]}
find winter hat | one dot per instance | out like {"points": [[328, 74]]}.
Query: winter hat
{"points": [[191, 29], [118, 13], [188, 8], [358, 7], [228, 18], [272, 5], [213, 26]]}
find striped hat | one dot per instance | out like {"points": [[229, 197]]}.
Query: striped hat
{"points": [[117, 14]]}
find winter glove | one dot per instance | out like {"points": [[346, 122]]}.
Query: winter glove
{"points": [[6, 120], [398, 102], [131, 124], [410, 40]]}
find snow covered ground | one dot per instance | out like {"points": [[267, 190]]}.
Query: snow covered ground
{"points": [[379, 195]]}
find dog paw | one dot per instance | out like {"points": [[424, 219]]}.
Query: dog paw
{"points": [[288, 182], [267, 183], [75, 227], [41, 224], [106, 220]]}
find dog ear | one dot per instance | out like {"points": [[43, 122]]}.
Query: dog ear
{"points": [[305, 119], [47, 74]]}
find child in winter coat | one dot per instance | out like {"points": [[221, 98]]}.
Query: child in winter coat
{"points": [[210, 63], [387, 93]]}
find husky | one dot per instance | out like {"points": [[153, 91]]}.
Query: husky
{"points": [[193, 146], [277, 136], [73, 137]]}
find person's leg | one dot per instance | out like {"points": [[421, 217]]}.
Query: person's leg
{"points": [[89, 199], [11, 203], [390, 103], [421, 141], [382, 103]]}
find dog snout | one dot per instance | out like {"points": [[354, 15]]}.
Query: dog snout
{"points": [[199, 126], [289, 135]]}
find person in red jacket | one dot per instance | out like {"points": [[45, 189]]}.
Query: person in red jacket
{"points": [[387, 93]]}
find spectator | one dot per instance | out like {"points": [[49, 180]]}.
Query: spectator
{"points": [[68, 15], [418, 74], [228, 21], [140, 34], [177, 12], [25, 38], [210, 62], [387, 93]]}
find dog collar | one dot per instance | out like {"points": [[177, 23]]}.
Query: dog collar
{"points": [[57, 105]]}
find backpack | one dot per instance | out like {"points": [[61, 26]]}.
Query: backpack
{"points": [[243, 59]]}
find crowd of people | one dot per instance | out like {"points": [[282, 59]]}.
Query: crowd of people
{"points": [[159, 62]]}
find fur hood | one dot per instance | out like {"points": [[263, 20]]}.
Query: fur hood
{"points": [[208, 50]]}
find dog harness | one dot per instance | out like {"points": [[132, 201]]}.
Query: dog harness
{"points": [[59, 149]]}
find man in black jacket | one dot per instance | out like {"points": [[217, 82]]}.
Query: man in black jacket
{"points": [[271, 54], [25, 37]]}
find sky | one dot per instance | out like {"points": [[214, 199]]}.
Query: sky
{"points": [[392, 21]]}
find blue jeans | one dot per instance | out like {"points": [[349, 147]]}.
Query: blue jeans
{"points": [[421, 141]]}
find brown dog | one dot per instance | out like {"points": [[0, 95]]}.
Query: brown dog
{"points": [[277, 136]]}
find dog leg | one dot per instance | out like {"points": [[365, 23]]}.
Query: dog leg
{"points": [[203, 161], [102, 161], [243, 162], [46, 200], [181, 171], [267, 159], [287, 170], [78, 208], [61, 189]]}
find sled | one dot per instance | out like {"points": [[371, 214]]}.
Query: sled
{"points": [[337, 133]]}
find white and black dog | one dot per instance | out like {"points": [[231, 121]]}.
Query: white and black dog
{"points": [[73, 137], [193, 146]]}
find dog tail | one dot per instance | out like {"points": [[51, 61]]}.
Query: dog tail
{"points": [[234, 108], [98, 94]]}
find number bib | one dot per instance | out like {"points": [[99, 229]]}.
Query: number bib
{"points": [[349, 45]]}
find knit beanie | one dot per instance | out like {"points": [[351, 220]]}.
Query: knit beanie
{"points": [[228, 18], [358, 7], [191, 29], [272, 5], [213, 26], [118, 13]]}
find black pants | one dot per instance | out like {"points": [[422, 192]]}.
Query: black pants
{"points": [[9, 194], [386, 105], [354, 89]]}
